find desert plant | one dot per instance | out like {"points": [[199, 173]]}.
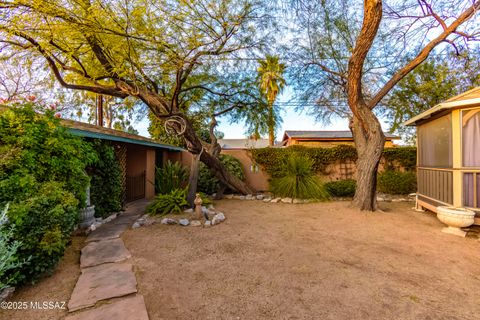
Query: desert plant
{"points": [[8, 250], [209, 184], [341, 188], [297, 180], [172, 176], [172, 202], [395, 182]]}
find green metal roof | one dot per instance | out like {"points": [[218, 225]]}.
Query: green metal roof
{"points": [[104, 136]]}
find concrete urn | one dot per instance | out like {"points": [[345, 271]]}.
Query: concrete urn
{"points": [[455, 218]]}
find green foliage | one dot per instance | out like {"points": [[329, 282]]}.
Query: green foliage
{"points": [[206, 201], [208, 183], [272, 159], [42, 175], [172, 176], [341, 188], [172, 202], [297, 180], [404, 156], [395, 182], [8, 250], [106, 182]]}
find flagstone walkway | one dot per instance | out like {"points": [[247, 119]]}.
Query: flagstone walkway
{"points": [[107, 273]]}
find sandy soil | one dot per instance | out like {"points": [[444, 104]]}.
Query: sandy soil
{"points": [[322, 261], [56, 288]]}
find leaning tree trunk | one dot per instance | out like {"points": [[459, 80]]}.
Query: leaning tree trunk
{"points": [[193, 179], [369, 142], [195, 147]]}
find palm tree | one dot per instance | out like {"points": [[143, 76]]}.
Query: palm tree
{"points": [[271, 82]]}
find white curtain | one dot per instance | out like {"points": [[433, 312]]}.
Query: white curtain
{"points": [[471, 154]]}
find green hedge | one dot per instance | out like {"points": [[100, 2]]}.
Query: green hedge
{"points": [[106, 182], [42, 176], [341, 188], [395, 182], [271, 159]]}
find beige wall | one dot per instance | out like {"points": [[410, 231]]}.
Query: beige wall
{"points": [[258, 180]]}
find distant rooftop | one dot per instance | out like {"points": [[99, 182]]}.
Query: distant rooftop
{"points": [[243, 143], [346, 134]]}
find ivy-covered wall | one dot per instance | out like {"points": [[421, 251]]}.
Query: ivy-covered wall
{"points": [[271, 159]]}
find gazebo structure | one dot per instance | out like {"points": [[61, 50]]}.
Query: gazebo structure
{"points": [[448, 154]]}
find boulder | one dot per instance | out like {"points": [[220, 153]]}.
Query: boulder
{"points": [[260, 196], [208, 223], [168, 221], [276, 200], [219, 217], [183, 222], [287, 200], [195, 223]]}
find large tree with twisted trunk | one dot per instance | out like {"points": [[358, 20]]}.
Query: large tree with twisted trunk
{"points": [[160, 52], [349, 58]]}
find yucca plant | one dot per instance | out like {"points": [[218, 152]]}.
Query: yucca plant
{"points": [[297, 180], [172, 202], [172, 176]]}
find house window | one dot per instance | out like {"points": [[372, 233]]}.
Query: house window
{"points": [[471, 138], [435, 143]]}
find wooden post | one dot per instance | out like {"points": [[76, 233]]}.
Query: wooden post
{"points": [[100, 110]]}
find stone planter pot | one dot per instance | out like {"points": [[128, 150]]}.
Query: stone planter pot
{"points": [[87, 217], [455, 218]]}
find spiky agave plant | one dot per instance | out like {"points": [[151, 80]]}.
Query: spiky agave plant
{"points": [[297, 180]]}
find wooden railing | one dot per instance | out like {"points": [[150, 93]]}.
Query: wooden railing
{"points": [[436, 184], [471, 199]]}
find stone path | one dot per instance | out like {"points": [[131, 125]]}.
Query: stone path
{"points": [[106, 273]]}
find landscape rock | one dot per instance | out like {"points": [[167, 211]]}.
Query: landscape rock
{"points": [[276, 200], [249, 197], [267, 199], [208, 223], [190, 210], [287, 200], [195, 223], [219, 217], [168, 221], [242, 197], [296, 201], [260, 196], [211, 207], [136, 225], [238, 197], [228, 196], [183, 222], [98, 219], [6, 293]]}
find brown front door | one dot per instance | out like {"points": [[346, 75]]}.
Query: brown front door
{"points": [[136, 187]]}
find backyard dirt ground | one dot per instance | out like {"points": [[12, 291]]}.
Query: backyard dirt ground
{"points": [[311, 261], [284, 261]]}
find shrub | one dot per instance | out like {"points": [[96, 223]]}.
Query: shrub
{"points": [[106, 181], [172, 202], [395, 182], [42, 175], [341, 188], [208, 183], [297, 180], [172, 176], [8, 250]]}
